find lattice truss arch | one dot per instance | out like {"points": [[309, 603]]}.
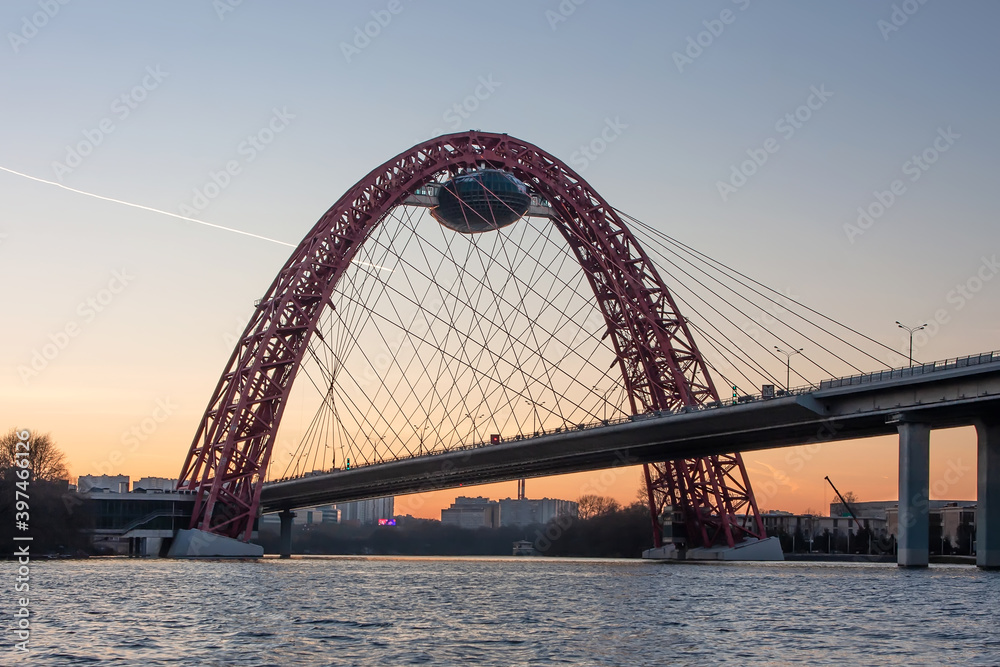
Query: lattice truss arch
{"points": [[661, 366]]}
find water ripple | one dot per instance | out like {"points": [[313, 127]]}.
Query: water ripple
{"points": [[495, 611]]}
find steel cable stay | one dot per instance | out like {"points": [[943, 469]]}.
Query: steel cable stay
{"points": [[825, 371], [469, 367], [513, 272], [736, 346], [497, 319], [661, 237], [467, 303]]}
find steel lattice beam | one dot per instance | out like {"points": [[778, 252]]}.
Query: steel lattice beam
{"points": [[661, 366]]}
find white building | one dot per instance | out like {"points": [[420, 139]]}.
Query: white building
{"points": [[953, 524], [877, 509], [810, 527], [476, 512], [154, 485], [524, 512], [99, 483]]}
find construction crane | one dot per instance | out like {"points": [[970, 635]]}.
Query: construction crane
{"points": [[844, 502]]}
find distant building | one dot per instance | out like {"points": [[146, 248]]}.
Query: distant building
{"points": [[363, 512], [306, 516], [524, 512], [953, 524], [330, 513], [876, 509], [367, 512], [476, 512], [102, 483], [810, 526], [154, 485]]}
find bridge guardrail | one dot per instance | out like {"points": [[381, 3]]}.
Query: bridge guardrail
{"points": [[863, 378], [911, 371]]}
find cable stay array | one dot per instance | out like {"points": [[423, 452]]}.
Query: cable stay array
{"points": [[435, 340]]}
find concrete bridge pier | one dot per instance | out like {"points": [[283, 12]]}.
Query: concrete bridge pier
{"points": [[285, 542], [988, 503], [913, 531]]}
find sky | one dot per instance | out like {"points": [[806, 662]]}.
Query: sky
{"points": [[874, 204]]}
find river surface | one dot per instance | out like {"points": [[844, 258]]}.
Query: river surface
{"points": [[502, 611]]}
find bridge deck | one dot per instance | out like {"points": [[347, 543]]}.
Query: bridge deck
{"points": [[946, 394]]}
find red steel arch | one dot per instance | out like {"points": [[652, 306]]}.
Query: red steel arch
{"points": [[661, 366]]}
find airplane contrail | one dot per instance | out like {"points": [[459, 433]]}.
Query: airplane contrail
{"points": [[147, 208], [172, 215]]}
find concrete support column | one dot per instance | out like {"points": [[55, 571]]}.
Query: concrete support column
{"points": [[913, 533], [285, 543], [988, 503]]}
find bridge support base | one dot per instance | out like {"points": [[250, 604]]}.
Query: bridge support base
{"points": [[913, 531], [768, 549], [285, 542], [199, 544], [988, 503]]}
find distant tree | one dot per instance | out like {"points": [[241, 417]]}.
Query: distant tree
{"points": [[965, 536], [592, 505], [851, 497], [47, 461], [641, 495], [799, 541]]}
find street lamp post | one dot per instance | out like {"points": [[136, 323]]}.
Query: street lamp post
{"points": [[911, 330], [604, 400], [473, 418], [534, 413], [788, 364], [423, 430]]}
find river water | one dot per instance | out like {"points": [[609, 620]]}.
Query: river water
{"points": [[503, 611]]}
